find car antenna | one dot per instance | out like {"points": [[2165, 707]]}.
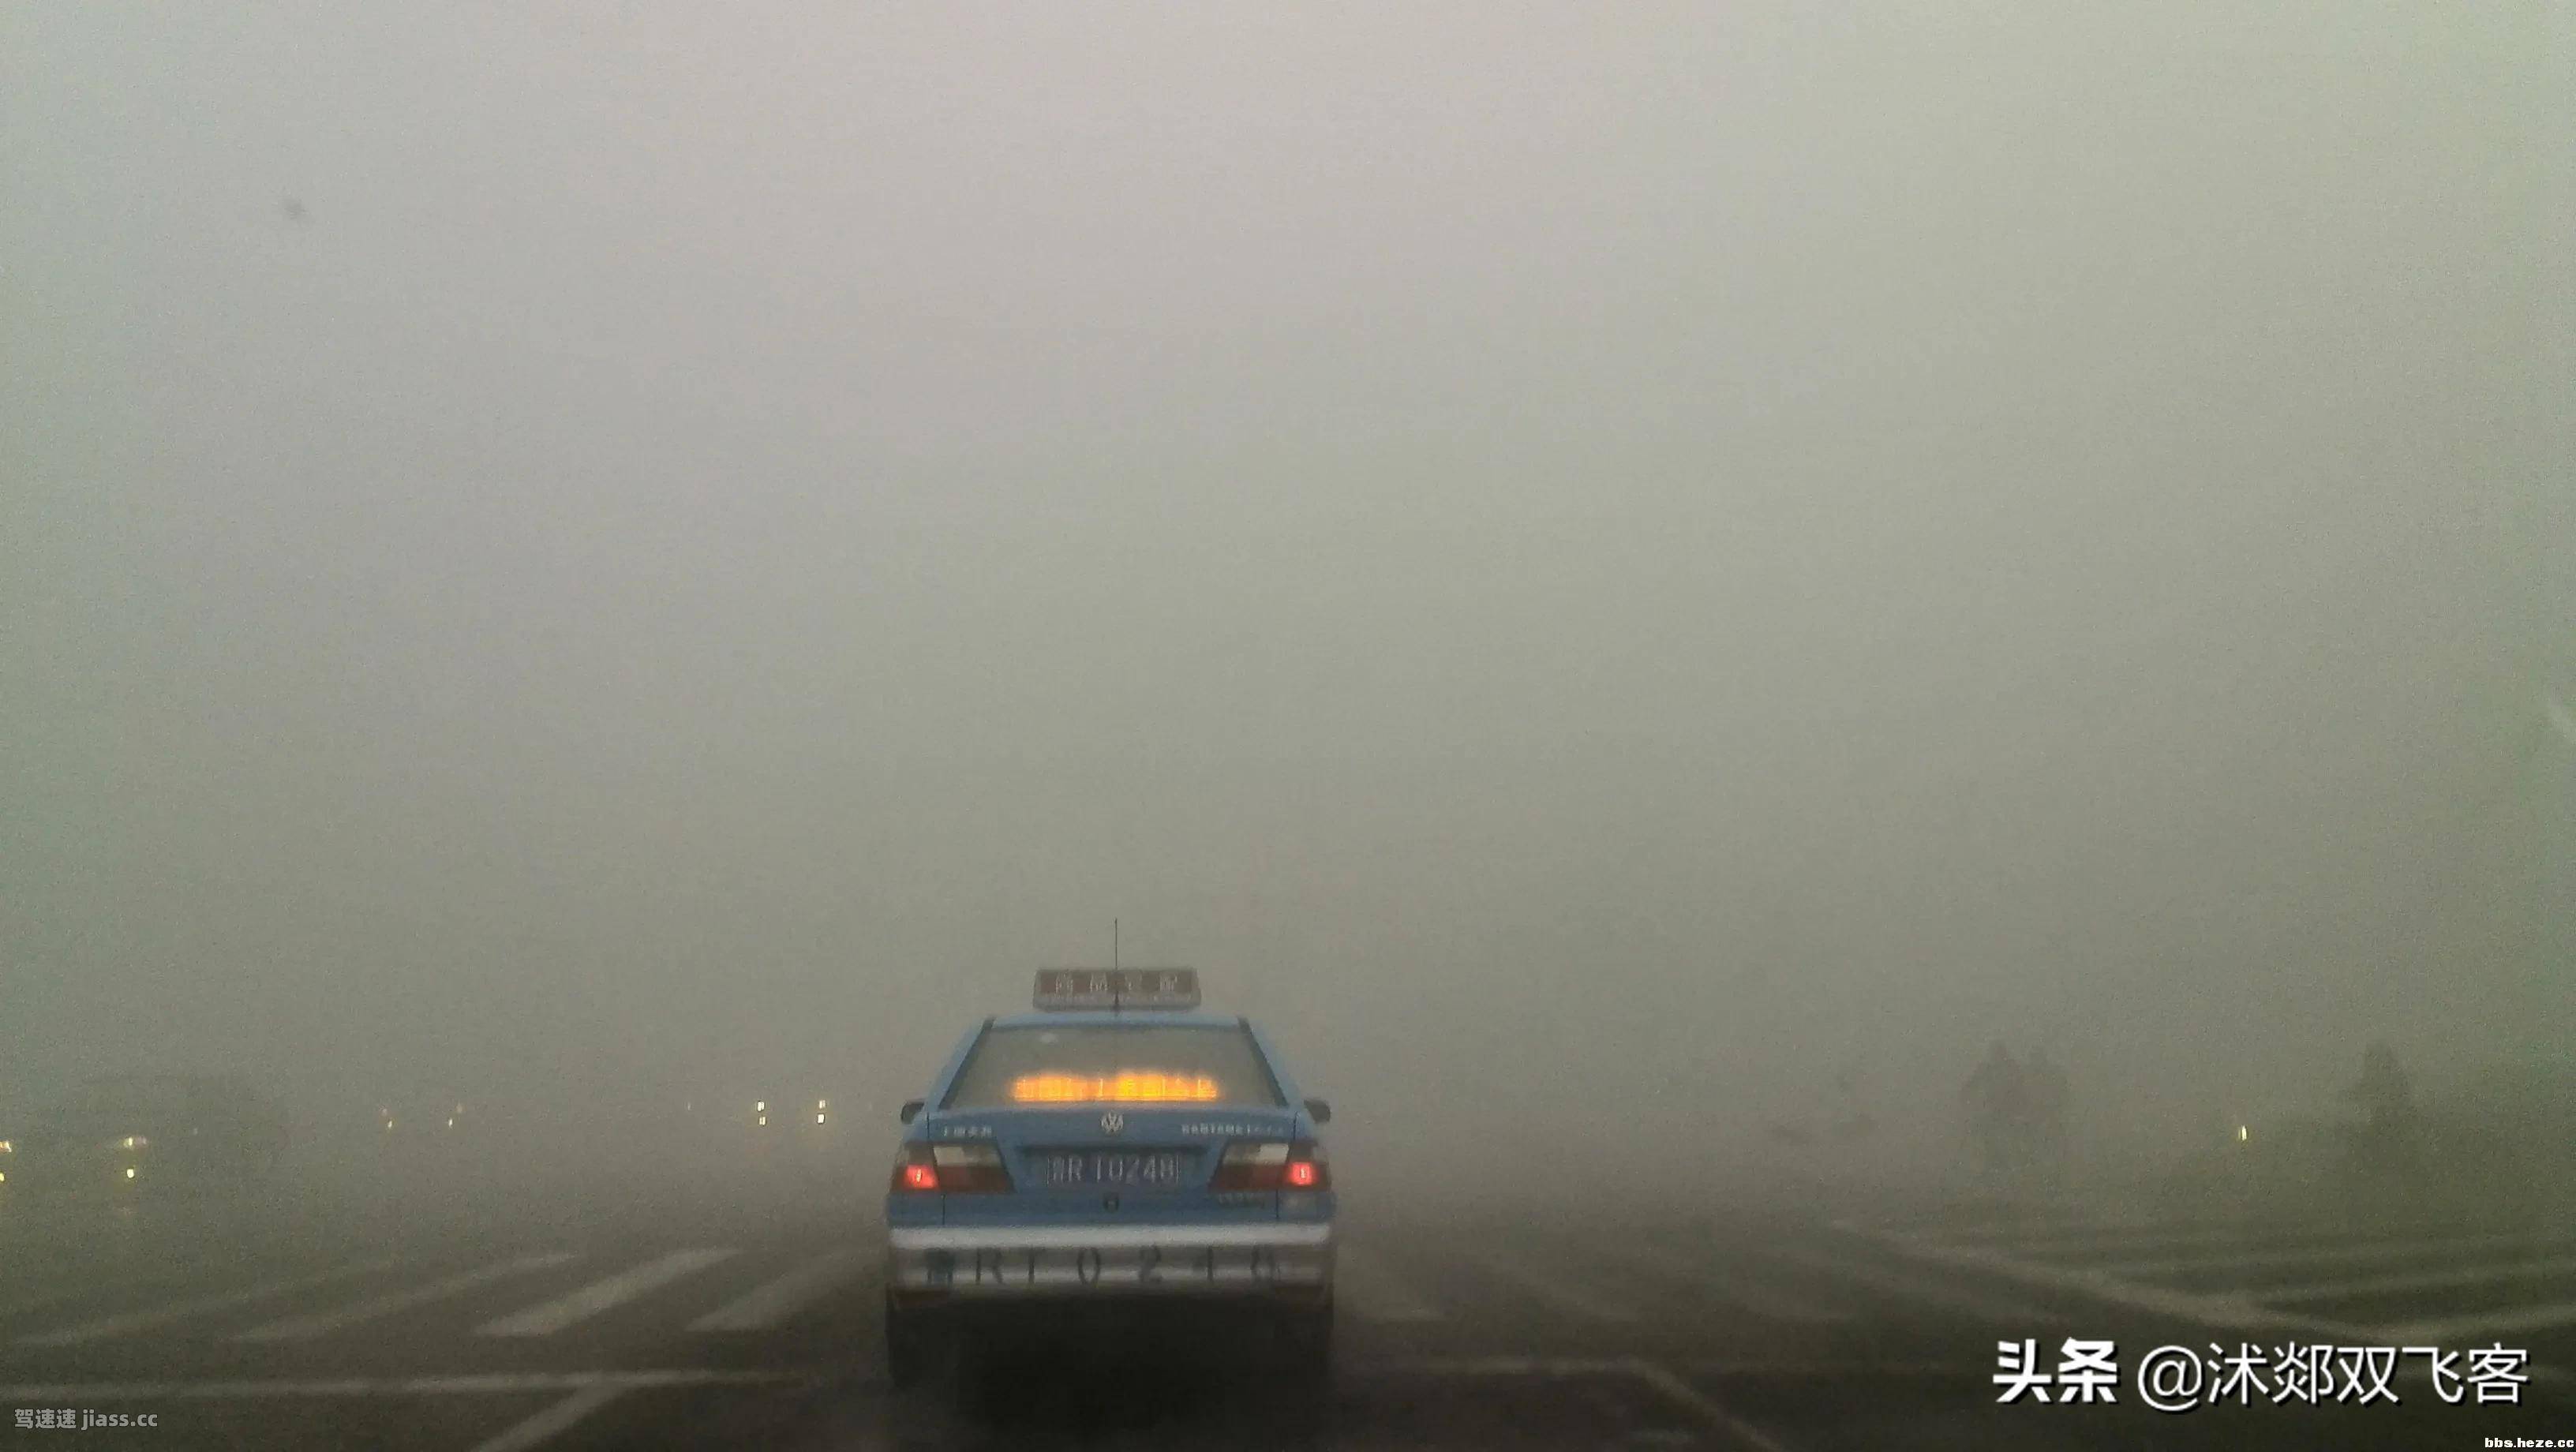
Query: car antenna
{"points": [[1113, 968]]}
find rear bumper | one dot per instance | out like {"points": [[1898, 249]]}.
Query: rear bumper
{"points": [[1272, 1260]]}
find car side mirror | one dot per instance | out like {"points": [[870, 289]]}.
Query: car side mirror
{"points": [[1319, 1111], [911, 1107]]}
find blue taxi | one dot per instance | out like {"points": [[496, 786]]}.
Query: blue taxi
{"points": [[1115, 1147]]}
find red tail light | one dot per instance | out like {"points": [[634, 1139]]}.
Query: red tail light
{"points": [[913, 1171], [1307, 1169], [1271, 1164], [955, 1169]]}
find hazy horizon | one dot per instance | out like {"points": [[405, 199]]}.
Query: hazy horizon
{"points": [[1663, 552]]}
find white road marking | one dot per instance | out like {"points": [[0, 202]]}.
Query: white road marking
{"points": [[1654, 1375], [1975, 1305], [767, 1305], [2326, 1255], [153, 1318], [508, 1383], [548, 1317], [2231, 1312], [1362, 1284], [321, 1323], [2130, 1241], [1744, 1295], [1692, 1399], [2481, 1324], [1564, 1293], [1736, 1290], [2423, 1280], [2234, 1312], [552, 1421]]}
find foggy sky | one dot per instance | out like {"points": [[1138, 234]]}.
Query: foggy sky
{"points": [[1662, 548]]}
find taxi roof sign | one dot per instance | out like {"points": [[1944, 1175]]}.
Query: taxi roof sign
{"points": [[1063, 990]]}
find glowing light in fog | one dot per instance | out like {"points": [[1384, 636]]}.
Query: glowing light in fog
{"points": [[818, 1119], [2240, 1134], [129, 1172], [1126, 1086]]}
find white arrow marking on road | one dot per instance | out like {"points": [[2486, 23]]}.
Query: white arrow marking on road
{"points": [[1363, 1284], [549, 1317], [767, 1305], [154, 1317], [320, 1323]]}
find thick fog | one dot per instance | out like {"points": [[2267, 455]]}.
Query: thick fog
{"points": [[1592, 567]]}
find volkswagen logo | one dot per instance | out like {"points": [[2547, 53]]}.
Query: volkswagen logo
{"points": [[1112, 1122]]}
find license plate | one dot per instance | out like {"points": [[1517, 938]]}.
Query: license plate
{"points": [[1128, 1268], [1113, 1169]]}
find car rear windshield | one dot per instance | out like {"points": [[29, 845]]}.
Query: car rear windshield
{"points": [[1113, 1064]]}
